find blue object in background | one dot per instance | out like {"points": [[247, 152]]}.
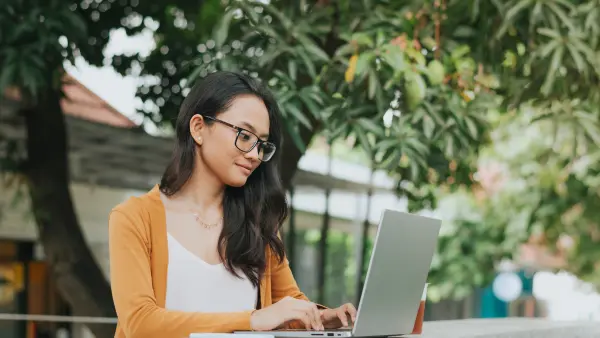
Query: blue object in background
{"points": [[527, 280], [492, 307]]}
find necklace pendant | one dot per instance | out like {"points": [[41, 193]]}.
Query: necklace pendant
{"points": [[204, 224]]}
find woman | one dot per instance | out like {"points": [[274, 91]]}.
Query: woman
{"points": [[201, 252]]}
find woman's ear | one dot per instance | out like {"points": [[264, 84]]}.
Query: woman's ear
{"points": [[197, 126]]}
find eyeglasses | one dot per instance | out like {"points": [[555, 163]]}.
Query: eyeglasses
{"points": [[246, 140]]}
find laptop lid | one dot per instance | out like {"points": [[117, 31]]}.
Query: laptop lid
{"points": [[398, 269]]}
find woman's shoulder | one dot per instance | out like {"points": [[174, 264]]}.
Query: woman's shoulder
{"points": [[135, 203], [138, 209]]}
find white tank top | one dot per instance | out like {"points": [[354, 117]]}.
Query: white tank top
{"points": [[194, 285]]}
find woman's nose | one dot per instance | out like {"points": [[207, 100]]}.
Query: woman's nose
{"points": [[253, 154]]}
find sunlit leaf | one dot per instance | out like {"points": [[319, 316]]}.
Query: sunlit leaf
{"points": [[222, 29]]}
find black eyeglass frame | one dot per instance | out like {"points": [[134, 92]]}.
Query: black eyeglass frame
{"points": [[239, 131]]}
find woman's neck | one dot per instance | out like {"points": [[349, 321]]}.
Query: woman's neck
{"points": [[203, 191]]}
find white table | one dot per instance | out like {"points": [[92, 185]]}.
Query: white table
{"points": [[509, 328]]}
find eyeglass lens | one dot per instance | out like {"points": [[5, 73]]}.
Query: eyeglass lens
{"points": [[245, 141]]}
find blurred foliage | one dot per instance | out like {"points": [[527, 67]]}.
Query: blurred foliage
{"points": [[431, 76], [538, 174], [415, 84], [358, 70]]}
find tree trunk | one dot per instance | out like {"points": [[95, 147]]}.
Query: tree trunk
{"points": [[79, 279]]}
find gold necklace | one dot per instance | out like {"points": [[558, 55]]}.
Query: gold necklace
{"points": [[205, 224]]}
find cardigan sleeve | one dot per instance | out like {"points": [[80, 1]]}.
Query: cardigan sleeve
{"points": [[133, 294], [284, 285]]}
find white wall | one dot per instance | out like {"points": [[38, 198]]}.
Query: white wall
{"points": [[92, 205]]}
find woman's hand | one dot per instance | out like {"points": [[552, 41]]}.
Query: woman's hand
{"points": [[338, 317], [286, 310]]}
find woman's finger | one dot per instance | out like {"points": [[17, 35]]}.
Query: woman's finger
{"points": [[313, 320], [341, 313], [351, 311], [316, 320], [317, 316], [305, 318]]}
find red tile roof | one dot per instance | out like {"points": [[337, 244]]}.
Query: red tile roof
{"points": [[82, 103]]}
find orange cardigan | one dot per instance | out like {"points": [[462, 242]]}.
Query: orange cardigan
{"points": [[138, 275]]}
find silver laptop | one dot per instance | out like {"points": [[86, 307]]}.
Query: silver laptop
{"points": [[398, 269]]}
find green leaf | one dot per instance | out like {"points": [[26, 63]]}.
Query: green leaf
{"points": [[394, 56], [388, 144], [363, 39], [292, 69], [270, 32], [310, 104], [7, 76], [364, 140], [338, 131], [285, 97], [274, 52], [78, 25], [249, 11], [428, 127], [373, 84], [464, 32], [359, 111], [295, 135], [549, 33], [345, 50], [363, 62], [472, 128], [577, 59], [590, 55], [312, 48], [285, 21], [548, 48], [592, 131], [561, 15], [370, 126], [310, 66], [416, 55], [420, 148], [518, 8], [222, 28], [298, 115], [449, 149], [554, 65]]}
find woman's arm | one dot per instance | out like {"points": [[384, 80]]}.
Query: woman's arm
{"points": [[283, 285], [133, 294]]}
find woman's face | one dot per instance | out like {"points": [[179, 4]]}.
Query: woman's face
{"points": [[217, 140]]}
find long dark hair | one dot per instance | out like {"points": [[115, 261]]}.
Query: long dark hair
{"points": [[253, 213]]}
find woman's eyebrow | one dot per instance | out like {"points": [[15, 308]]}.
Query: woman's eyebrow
{"points": [[250, 127]]}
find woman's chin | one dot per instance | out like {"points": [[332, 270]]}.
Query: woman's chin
{"points": [[237, 182]]}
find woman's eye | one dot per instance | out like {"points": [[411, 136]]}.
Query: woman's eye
{"points": [[245, 136]]}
